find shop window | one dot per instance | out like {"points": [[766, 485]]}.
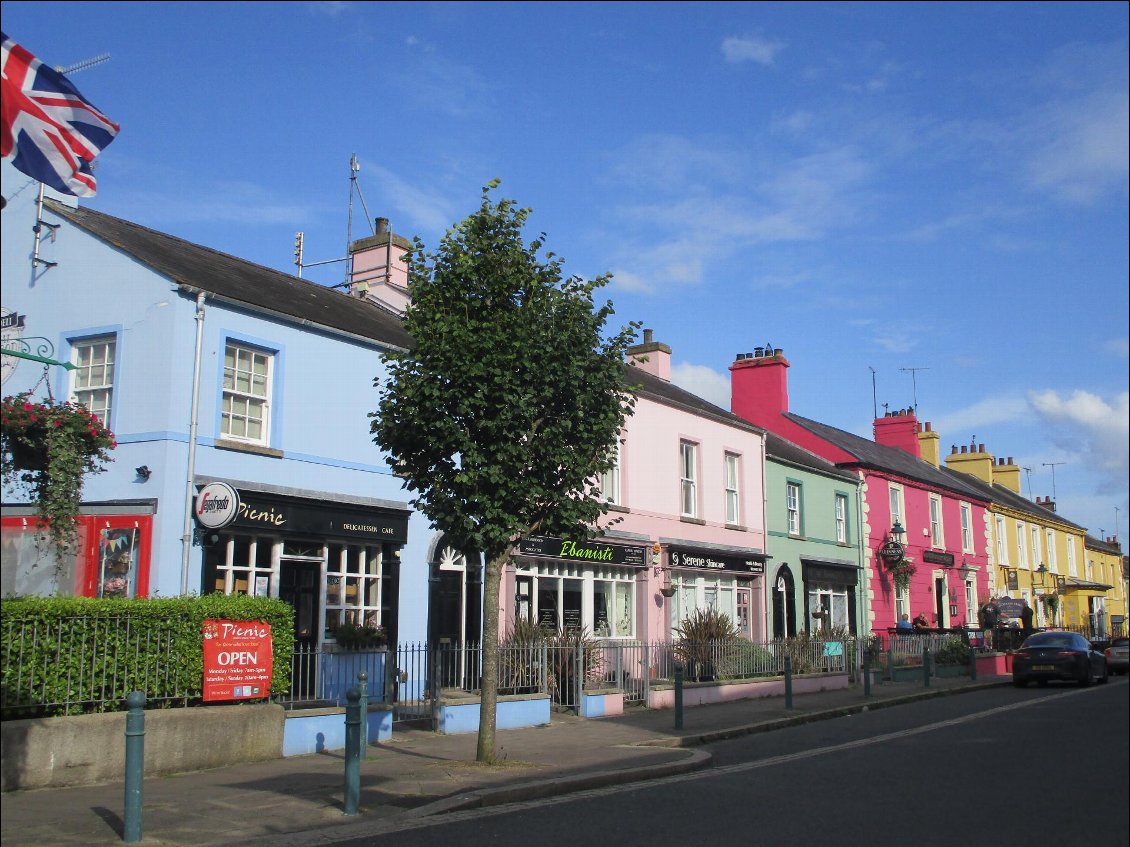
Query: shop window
{"points": [[601, 602], [613, 610], [239, 564], [354, 585]]}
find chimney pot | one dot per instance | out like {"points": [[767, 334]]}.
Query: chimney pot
{"points": [[648, 336], [1010, 462], [963, 448], [980, 448], [381, 226], [953, 449], [929, 427]]}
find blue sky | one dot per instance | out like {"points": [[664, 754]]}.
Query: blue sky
{"points": [[887, 186]]}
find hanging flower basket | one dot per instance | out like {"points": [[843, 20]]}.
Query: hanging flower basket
{"points": [[46, 450], [901, 571]]}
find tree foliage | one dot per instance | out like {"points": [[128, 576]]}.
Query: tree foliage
{"points": [[510, 402]]}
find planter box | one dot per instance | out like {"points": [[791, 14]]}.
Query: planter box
{"points": [[906, 673], [951, 671]]}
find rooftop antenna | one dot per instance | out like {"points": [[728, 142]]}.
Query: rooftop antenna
{"points": [[1028, 473], [1052, 466], [874, 396], [914, 383], [82, 66], [300, 237], [1116, 511]]}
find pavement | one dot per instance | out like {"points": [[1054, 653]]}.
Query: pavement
{"points": [[299, 801]]}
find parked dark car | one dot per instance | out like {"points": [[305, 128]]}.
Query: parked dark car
{"points": [[1118, 655], [1057, 655]]}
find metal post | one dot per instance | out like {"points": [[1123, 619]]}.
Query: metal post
{"points": [[578, 674], [866, 673], [926, 664], [645, 672], [435, 686], [135, 766], [363, 687], [788, 682], [678, 696], [972, 661], [352, 750]]}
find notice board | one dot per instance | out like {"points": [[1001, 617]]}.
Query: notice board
{"points": [[237, 660]]}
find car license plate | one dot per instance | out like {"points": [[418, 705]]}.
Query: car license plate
{"points": [[1043, 667]]}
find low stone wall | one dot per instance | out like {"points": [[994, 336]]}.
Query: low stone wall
{"points": [[512, 711], [703, 693], [87, 749]]}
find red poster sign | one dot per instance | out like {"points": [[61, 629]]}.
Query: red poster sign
{"points": [[237, 660]]}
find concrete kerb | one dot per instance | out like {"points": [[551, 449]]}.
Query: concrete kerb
{"points": [[812, 717], [559, 786]]}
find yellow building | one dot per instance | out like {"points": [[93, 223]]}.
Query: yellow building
{"points": [[1036, 555], [1107, 566]]}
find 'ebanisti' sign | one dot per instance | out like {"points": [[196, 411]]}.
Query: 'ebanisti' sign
{"points": [[583, 551], [685, 557], [237, 660]]}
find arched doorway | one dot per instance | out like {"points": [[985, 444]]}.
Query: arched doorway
{"points": [[454, 609], [784, 603]]}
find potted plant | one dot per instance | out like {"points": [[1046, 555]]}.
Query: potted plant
{"points": [[1051, 605], [46, 450], [901, 572], [351, 636]]}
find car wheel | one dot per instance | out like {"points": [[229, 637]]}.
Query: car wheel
{"points": [[1105, 678]]}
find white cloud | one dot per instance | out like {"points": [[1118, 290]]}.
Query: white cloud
{"points": [[426, 208], [1119, 347], [982, 415], [706, 382], [751, 48], [1091, 428]]}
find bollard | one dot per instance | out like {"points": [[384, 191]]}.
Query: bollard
{"points": [[926, 664], [678, 696], [972, 661], [788, 682], [135, 766], [352, 751], [363, 687], [866, 673]]}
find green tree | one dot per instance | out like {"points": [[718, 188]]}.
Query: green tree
{"points": [[509, 404]]}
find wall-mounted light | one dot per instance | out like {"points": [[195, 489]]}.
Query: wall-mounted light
{"points": [[144, 472]]}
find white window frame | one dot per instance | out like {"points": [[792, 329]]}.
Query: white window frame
{"points": [[1002, 542], [1071, 556], [610, 479], [1050, 535], [897, 501], [1021, 545], [732, 474], [355, 576], [966, 528], [92, 380], [937, 532], [260, 401], [902, 603], [688, 479], [793, 507], [841, 519], [1036, 557]]}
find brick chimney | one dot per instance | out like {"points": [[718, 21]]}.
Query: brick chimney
{"points": [[972, 460], [759, 384], [379, 270], [1007, 473], [653, 357], [899, 429], [928, 446]]}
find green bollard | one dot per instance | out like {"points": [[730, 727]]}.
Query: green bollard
{"points": [[788, 682], [972, 661], [363, 686], [866, 673], [352, 751], [926, 664], [678, 696], [135, 766]]}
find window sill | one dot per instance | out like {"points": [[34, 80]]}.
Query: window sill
{"points": [[736, 527], [615, 507], [242, 447], [695, 521]]}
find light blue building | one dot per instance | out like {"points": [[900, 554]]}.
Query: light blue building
{"points": [[211, 369]]}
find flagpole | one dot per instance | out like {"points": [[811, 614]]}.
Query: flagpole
{"points": [[38, 228]]}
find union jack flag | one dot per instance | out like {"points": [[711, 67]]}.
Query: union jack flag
{"points": [[50, 131]]}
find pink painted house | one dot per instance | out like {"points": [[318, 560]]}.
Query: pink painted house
{"points": [[686, 529], [943, 518]]}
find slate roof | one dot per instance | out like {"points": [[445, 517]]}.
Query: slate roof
{"points": [[252, 286], [661, 391], [890, 459], [783, 450], [1008, 498]]}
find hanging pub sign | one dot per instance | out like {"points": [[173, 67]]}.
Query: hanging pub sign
{"points": [[686, 557], [892, 551], [584, 551], [237, 660]]}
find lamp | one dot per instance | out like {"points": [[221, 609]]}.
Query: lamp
{"points": [[966, 570], [897, 531], [143, 472]]}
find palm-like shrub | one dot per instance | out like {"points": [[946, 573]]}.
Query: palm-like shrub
{"points": [[704, 636]]}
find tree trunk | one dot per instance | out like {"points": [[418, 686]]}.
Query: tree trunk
{"points": [[489, 688]]}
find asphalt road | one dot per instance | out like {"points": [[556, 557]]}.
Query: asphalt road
{"points": [[1002, 766]]}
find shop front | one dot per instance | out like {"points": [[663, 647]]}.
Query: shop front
{"points": [[728, 581], [576, 585], [830, 590], [336, 561]]}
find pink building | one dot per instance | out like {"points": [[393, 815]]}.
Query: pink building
{"points": [[938, 565], [685, 531]]}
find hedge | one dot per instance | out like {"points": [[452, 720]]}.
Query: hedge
{"points": [[69, 655]]}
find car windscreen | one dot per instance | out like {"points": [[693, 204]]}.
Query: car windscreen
{"points": [[1048, 640]]}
